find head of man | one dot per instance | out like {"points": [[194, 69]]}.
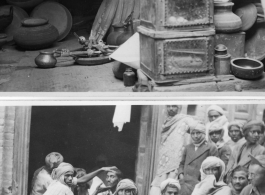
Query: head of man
{"points": [[170, 187], [126, 187], [68, 177], [252, 131], [213, 166], [64, 173], [198, 133], [239, 178], [235, 131], [53, 160], [113, 177], [214, 112], [215, 135], [173, 110], [257, 171]]}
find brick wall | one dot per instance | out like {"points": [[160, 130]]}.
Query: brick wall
{"points": [[7, 122]]}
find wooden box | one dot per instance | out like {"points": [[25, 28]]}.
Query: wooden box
{"points": [[172, 15], [174, 56], [235, 43]]}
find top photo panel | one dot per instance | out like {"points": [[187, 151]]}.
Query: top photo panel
{"points": [[132, 46]]}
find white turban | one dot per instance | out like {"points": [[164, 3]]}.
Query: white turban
{"points": [[216, 108], [61, 170], [167, 182], [126, 184]]}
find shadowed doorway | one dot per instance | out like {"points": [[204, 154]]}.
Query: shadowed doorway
{"points": [[80, 134]]}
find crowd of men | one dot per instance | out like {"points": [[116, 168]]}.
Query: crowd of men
{"points": [[216, 158]]}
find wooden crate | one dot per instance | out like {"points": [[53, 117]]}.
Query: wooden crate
{"points": [[174, 56], [172, 15]]}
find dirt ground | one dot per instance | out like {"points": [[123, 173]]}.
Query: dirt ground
{"points": [[18, 73]]}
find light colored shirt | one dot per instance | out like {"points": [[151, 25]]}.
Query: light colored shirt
{"points": [[43, 180]]}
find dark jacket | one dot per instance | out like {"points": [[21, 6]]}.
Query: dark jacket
{"points": [[191, 163]]}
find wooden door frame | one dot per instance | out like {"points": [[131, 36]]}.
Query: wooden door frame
{"points": [[21, 150]]}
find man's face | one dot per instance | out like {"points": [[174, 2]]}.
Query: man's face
{"points": [[68, 178], [239, 180], [253, 134], [125, 192], [213, 171], [235, 133], [172, 110], [213, 115], [196, 136], [112, 179], [171, 191], [215, 136], [257, 175]]}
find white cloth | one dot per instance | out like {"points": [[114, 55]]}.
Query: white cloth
{"points": [[57, 188], [168, 181], [43, 180], [122, 115], [129, 52], [96, 181]]}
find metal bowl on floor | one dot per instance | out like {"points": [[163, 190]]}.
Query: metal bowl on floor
{"points": [[246, 68]]}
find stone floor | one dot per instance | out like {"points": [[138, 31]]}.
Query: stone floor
{"points": [[18, 73]]}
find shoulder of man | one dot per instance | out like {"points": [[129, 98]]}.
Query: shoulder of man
{"points": [[247, 190]]}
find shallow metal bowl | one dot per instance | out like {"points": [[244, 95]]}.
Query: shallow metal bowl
{"points": [[246, 68]]}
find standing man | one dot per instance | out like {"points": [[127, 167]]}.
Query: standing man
{"points": [[240, 155], [174, 138], [239, 180], [170, 187], [257, 176], [235, 132]]}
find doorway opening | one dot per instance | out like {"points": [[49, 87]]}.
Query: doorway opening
{"points": [[80, 134]]}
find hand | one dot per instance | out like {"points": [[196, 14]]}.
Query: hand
{"points": [[181, 177], [108, 169], [100, 189]]}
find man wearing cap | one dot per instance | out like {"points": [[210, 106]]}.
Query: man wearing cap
{"points": [[239, 180], [235, 132], [42, 177], [174, 137], [193, 156], [217, 115], [170, 187], [257, 176], [240, 156], [126, 187]]}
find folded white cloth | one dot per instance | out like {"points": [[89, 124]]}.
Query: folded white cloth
{"points": [[122, 115]]}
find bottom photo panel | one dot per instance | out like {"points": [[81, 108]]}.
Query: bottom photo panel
{"points": [[180, 149]]}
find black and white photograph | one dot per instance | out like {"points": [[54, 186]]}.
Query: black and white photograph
{"points": [[129, 149], [132, 46]]}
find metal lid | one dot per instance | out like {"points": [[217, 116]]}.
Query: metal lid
{"points": [[220, 49]]}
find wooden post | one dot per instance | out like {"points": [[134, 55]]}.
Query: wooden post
{"points": [[21, 150]]}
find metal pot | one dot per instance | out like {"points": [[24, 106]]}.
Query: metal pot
{"points": [[247, 68], [45, 60]]}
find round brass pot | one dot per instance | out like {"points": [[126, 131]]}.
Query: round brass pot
{"points": [[45, 60]]}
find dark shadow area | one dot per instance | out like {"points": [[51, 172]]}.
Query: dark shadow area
{"points": [[80, 134]]}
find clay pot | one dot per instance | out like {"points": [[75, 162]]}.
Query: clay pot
{"points": [[247, 14], [35, 33], [224, 19], [45, 60], [24, 4], [112, 37], [6, 19], [3, 40], [129, 78], [128, 32], [118, 69]]}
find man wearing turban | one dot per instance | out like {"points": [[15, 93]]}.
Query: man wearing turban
{"points": [[42, 177], [216, 115], [212, 174], [240, 156], [193, 156], [126, 187], [174, 138], [170, 187], [216, 134], [235, 132]]}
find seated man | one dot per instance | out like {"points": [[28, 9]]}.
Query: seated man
{"points": [[170, 187], [126, 187], [113, 178], [235, 132], [257, 176], [212, 173], [42, 177], [239, 180], [240, 156]]}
